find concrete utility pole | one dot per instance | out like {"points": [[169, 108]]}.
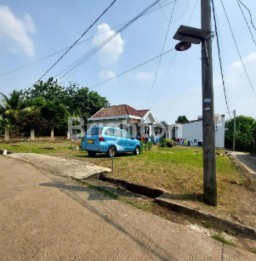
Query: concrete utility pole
{"points": [[234, 134], [209, 162], [187, 36]]}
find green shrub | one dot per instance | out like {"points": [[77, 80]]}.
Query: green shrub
{"points": [[163, 142], [167, 143], [146, 145], [170, 143]]}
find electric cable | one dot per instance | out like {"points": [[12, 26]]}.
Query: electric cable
{"points": [[80, 42], [248, 10], [163, 82], [247, 24], [240, 56], [131, 69], [219, 56], [172, 61], [182, 14], [81, 61], [193, 11], [96, 20], [160, 58], [29, 64]]}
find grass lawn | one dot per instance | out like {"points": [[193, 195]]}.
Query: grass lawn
{"points": [[178, 170]]}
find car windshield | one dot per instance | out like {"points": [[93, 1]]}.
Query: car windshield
{"points": [[94, 131]]}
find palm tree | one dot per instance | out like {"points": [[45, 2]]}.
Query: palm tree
{"points": [[10, 108]]}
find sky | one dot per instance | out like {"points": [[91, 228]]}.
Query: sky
{"points": [[35, 34]]}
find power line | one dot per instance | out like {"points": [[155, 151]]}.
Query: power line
{"points": [[81, 61], [247, 24], [192, 13], [160, 58], [172, 60], [96, 20], [29, 64], [163, 82], [240, 56], [248, 10], [131, 69], [182, 14], [219, 56], [66, 48]]}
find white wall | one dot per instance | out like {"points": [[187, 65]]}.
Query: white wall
{"points": [[220, 133], [149, 119], [193, 130]]}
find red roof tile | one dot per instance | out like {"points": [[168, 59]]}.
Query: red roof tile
{"points": [[118, 110], [142, 112]]}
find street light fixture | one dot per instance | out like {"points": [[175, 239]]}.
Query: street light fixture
{"points": [[182, 46], [191, 34]]}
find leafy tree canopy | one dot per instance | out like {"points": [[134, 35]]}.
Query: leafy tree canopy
{"points": [[243, 135], [182, 119], [47, 105]]}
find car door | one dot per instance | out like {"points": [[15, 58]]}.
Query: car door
{"points": [[119, 141], [128, 142]]}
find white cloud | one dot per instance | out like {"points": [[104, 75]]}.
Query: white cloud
{"points": [[241, 95], [16, 31], [107, 75], [112, 50], [251, 58], [143, 76]]}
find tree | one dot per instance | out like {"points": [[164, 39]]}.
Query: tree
{"points": [[84, 103], [78, 101], [54, 116], [243, 136], [182, 119], [10, 107], [17, 114], [49, 91]]}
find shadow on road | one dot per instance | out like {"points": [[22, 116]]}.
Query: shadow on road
{"points": [[94, 193], [108, 214]]}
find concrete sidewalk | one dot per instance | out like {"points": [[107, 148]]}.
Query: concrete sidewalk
{"points": [[62, 167], [49, 217]]}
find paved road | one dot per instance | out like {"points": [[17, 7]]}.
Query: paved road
{"points": [[47, 217], [248, 161]]}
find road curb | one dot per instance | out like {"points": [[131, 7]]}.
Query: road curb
{"points": [[163, 198], [218, 221]]}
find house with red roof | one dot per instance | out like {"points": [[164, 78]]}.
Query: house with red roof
{"points": [[137, 122]]}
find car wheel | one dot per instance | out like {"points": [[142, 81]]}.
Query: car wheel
{"points": [[91, 153], [111, 151], [137, 150]]}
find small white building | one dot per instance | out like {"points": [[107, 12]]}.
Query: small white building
{"points": [[192, 132]]}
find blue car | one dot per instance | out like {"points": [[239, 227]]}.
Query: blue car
{"points": [[109, 140]]}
